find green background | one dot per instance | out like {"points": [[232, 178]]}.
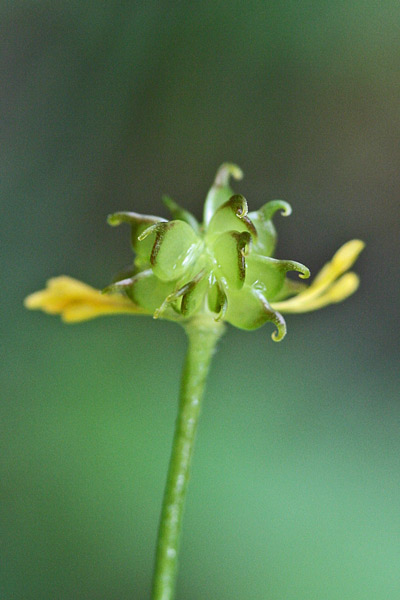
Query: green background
{"points": [[295, 491]]}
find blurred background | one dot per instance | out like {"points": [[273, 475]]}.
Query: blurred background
{"points": [[295, 488]]}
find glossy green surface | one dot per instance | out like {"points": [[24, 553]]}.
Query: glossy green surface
{"points": [[218, 268]]}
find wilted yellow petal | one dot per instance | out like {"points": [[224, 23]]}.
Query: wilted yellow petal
{"points": [[76, 301], [341, 262], [338, 291], [326, 287], [344, 287]]}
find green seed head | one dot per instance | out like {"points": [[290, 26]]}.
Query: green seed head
{"points": [[223, 267]]}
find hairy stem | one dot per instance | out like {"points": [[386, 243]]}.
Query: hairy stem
{"points": [[203, 333]]}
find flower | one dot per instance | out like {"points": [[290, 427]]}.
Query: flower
{"points": [[224, 268]]}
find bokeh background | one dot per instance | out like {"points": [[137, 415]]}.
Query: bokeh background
{"points": [[295, 488]]}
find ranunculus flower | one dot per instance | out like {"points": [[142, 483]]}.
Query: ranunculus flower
{"points": [[223, 267]]}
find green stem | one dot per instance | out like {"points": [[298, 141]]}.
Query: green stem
{"points": [[203, 333]]}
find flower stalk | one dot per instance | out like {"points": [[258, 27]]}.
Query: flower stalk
{"points": [[203, 334]]}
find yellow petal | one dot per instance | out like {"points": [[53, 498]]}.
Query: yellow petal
{"points": [[338, 291], [326, 287], [341, 262], [76, 301]]}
